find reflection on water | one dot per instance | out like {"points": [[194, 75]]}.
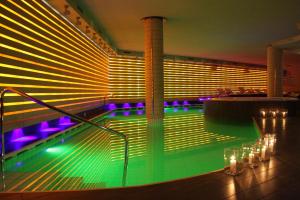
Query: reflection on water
{"points": [[184, 144]]}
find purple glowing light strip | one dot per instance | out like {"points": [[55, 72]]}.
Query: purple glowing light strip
{"points": [[204, 98], [25, 139], [50, 130]]}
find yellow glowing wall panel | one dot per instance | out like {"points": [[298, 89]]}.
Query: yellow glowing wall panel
{"points": [[192, 79], [127, 78], [49, 58], [182, 79]]}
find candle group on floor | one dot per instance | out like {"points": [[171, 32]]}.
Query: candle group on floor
{"points": [[249, 155], [273, 113]]}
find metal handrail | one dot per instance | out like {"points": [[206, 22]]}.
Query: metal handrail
{"points": [[9, 89]]}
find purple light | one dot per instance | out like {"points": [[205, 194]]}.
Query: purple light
{"points": [[44, 125], [140, 112], [65, 121], [126, 106], [185, 108], [113, 114], [44, 128], [112, 106], [50, 130], [185, 103], [17, 133], [166, 103], [140, 105], [175, 103], [126, 113], [204, 98], [25, 139], [175, 109]]}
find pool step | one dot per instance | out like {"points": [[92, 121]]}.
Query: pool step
{"points": [[56, 171], [58, 183], [64, 183], [14, 180]]}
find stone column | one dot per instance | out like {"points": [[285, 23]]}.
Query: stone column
{"points": [[154, 72], [275, 71]]}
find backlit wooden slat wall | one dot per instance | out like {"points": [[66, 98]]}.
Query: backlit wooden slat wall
{"points": [[185, 79], [44, 55], [126, 78], [49, 58], [182, 79]]}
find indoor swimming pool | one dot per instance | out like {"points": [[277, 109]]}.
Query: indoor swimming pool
{"points": [[183, 145]]}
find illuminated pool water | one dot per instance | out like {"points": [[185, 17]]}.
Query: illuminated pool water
{"points": [[184, 145]]}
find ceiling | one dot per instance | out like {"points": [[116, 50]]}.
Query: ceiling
{"points": [[234, 30]]}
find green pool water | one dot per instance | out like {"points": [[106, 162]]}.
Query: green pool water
{"points": [[183, 145]]}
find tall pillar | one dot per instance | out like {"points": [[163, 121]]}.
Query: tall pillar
{"points": [[154, 72], [275, 71]]}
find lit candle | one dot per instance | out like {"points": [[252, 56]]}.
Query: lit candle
{"points": [[251, 157], [233, 164], [256, 154], [274, 124], [266, 139], [271, 145], [263, 124], [263, 153], [273, 113], [263, 113], [283, 124], [284, 114]]}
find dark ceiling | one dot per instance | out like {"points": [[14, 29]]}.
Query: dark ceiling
{"points": [[235, 30]]}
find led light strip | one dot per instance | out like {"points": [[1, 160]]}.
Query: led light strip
{"points": [[181, 79], [47, 56]]}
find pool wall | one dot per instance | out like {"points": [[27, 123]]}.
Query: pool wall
{"points": [[242, 109]]}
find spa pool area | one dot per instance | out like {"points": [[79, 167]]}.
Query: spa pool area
{"points": [[183, 145], [146, 100]]}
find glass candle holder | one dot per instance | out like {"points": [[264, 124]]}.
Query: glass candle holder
{"points": [[264, 153], [284, 113], [251, 155], [270, 142], [263, 113], [256, 151], [273, 113], [233, 161]]}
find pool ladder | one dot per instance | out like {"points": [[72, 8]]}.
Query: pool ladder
{"points": [[111, 131]]}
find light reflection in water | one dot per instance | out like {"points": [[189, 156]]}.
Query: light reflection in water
{"points": [[184, 144]]}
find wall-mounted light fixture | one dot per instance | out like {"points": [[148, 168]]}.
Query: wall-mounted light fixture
{"points": [[78, 21], [66, 11]]}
